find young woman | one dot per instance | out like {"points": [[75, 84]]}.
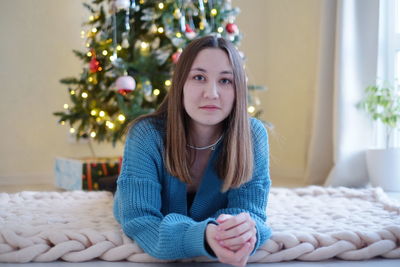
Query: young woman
{"points": [[195, 174]]}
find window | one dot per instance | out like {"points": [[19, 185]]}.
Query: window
{"points": [[388, 72]]}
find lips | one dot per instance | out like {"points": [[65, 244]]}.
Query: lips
{"points": [[210, 107]]}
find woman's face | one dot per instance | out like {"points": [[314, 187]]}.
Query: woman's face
{"points": [[209, 93]]}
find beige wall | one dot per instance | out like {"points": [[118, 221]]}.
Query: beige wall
{"points": [[37, 37], [280, 42]]}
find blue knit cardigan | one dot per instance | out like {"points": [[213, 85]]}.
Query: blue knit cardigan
{"points": [[150, 204]]}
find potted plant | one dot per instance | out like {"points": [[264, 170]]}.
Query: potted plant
{"points": [[382, 103]]}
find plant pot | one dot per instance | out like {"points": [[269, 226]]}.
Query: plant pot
{"points": [[384, 168]]}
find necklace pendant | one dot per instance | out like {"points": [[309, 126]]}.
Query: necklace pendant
{"points": [[212, 147]]}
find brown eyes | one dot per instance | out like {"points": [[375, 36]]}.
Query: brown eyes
{"points": [[225, 81], [199, 78], [222, 81]]}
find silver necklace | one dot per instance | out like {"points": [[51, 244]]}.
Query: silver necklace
{"points": [[212, 146]]}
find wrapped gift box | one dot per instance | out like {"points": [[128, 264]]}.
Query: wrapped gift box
{"points": [[87, 173]]}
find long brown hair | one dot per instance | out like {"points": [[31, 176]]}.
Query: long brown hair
{"points": [[235, 162]]}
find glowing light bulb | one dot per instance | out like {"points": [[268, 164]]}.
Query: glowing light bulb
{"points": [[93, 134], [99, 68], [177, 13], [112, 58], [62, 122], [251, 109], [102, 113], [66, 106], [94, 30], [178, 34], [121, 117], [72, 130], [84, 95], [160, 29], [87, 45], [144, 45], [90, 79], [156, 92], [89, 54], [220, 29], [119, 48], [110, 125], [141, 2], [167, 82], [201, 25], [105, 52], [91, 18], [93, 112], [214, 12], [72, 92], [160, 5]]}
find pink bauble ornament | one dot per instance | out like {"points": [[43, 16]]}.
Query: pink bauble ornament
{"points": [[125, 84], [175, 57]]}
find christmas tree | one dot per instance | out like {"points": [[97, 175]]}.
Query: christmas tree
{"points": [[131, 49]]}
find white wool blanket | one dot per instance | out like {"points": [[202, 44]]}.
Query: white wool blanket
{"points": [[309, 224]]}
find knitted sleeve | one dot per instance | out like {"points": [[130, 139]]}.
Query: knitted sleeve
{"points": [[137, 202], [252, 197]]}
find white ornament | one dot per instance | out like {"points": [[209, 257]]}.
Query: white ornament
{"points": [[122, 4], [125, 83], [190, 35], [125, 43]]}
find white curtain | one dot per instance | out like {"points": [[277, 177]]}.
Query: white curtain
{"points": [[347, 64]]}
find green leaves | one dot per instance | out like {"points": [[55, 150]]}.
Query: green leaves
{"points": [[382, 104]]}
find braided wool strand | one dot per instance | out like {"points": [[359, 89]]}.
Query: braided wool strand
{"points": [[309, 224]]}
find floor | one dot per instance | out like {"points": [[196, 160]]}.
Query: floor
{"points": [[331, 263], [282, 183]]}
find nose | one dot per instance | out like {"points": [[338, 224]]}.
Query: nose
{"points": [[211, 91]]}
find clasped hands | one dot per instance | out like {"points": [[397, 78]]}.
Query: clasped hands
{"points": [[233, 239]]}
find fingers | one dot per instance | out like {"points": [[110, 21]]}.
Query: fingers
{"points": [[223, 217], [234, 248], [242, 230], [237, 240], [225, 255], [236, 243], [234, 221], [235, 258], [244, 260], [236, 231]]}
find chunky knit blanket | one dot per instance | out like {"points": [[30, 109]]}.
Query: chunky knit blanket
{"points": [[309, 224]]}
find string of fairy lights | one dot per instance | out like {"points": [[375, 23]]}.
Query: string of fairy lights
{"points": [[110, 55]]}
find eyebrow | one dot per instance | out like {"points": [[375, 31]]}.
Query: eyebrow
{"points": [[203, 70]]}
